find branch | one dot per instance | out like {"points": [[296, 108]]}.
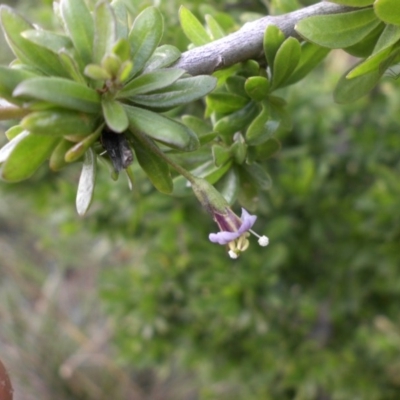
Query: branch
{"points": [[247, 42]]}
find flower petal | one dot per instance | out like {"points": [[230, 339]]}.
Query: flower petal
{"points": [[223, 237], [248, 221]]}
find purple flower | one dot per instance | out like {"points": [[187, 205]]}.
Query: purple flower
{"points": [[232, 227], [235, 231]]}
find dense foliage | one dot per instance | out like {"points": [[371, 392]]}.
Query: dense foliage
{"points": [[312, 316]]}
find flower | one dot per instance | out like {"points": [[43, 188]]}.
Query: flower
{"points": [[235, 231]]}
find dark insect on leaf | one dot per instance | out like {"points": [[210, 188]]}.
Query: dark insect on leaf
{"points": [[117, 148]]}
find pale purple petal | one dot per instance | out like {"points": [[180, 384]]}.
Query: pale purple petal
{"points": [[247, 221], [223, 237]]}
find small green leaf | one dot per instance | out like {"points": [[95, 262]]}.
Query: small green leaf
{"points": [[338, 30], [239, 150], [26, 51], [155, 167], [79, 24], [229, 186], [61, 92], [267, 149], [236, 121], [58, 123], [10, 78], [311, 56], [210, 172], [7, 149], [144, 37], [220, 155], [225, 103], [259, 176], [13, 132], [350, 90], [372, 63], [114, 115], [197, 125], [273, 39], [192, 27], [121, 17], [57, 158], [27, 156], [96, 72], [214, 27], [181, 92], [49, 40], [151, 81], [122, 49], [162, 57], [388, 11], [71, 66], [162, 128], [257, 87], [75, 152], [235, 84], [366, 45], [389, 36], [105, 31], [259, 131], [86, 183]]}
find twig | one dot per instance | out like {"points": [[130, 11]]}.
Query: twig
{"points": [[247, 42]]}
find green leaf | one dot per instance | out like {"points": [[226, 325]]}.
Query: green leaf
{"points": [[155, 167], [259, 176], [13, 132], [372, 63], [151, 81], [27, 156], [61, 92], [162, 128], [7, 149], [229, 186], [225, 103], [162, 57], [71, 66], [58, 123], [97, 72], [267, 149], [388, 11], [192, 27], [353, 3], [105, 31], [214, 27], [57, 158], [236, 121], [273, 39], [79, 24], [26, 51], [10, 78], [257, 87], [181, 92], [350, 90], [365, 46], [239, 150], [220, 154], [311, 56], [121, 17], [262, 127], [338, 30], [86, 183], [389, 36], [197, 125], [114, 115], [75, 152], [144, 37], [236, 85], [49, 40]]}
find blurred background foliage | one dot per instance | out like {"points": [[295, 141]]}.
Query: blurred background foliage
{"points": [[134, 302]]}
